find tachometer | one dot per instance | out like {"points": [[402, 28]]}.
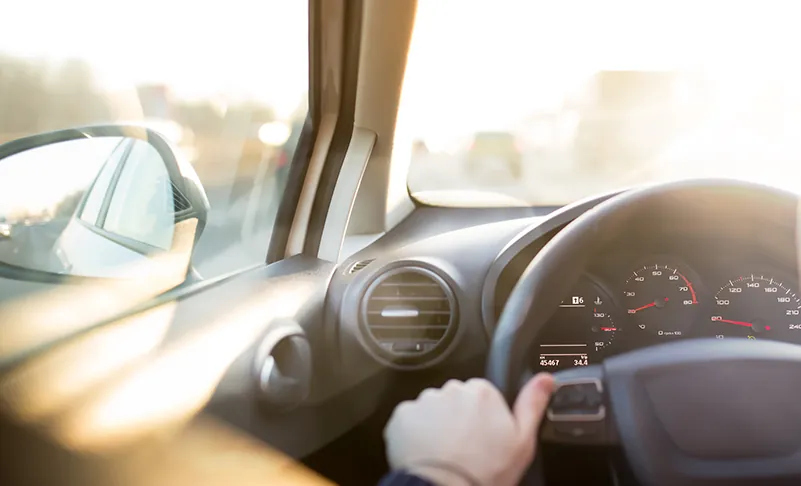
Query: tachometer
{"points": [[661, 300], [756, 307]]}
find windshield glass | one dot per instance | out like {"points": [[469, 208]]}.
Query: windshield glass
{"points": [[542, 103]]}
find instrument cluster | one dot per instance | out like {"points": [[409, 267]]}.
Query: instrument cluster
{"points": [[619, 305]]}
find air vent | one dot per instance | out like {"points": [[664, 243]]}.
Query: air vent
{"points": [[409, 316], [180, 202], [359, 266]]}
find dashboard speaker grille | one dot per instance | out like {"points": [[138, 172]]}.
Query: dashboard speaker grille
{"points": [[408, 315]]}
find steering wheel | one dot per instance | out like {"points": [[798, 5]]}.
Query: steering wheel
{"points": [[692, 412]]}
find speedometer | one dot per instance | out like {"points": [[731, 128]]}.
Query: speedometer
{"points": [[756, 307]]}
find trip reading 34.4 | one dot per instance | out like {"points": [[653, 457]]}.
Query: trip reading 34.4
{"points": [[581, 331]]}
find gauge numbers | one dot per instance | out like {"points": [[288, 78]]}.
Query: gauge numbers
{"points": [[582, 330], [756, 307], [661, 300]]}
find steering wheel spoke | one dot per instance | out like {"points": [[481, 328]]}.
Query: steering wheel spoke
{"points": [[578, 413]]}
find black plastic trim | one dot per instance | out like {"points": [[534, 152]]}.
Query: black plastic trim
{"points": [[446, 344], [399, 360], [519, 243]]}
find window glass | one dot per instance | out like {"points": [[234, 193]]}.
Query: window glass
{"points": [[226, 84], [141, 205], [94, 200], [545, 102]]}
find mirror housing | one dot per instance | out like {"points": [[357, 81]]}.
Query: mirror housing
{"points": [[139, 202]]}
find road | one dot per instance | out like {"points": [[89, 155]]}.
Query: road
{"points": [[545, 181], [766, 151], [237, 233]]}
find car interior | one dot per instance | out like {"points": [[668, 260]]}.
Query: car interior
{"points": [[668, 312]]}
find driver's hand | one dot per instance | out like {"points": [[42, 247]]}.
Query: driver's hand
{"points": [[465, 434]]}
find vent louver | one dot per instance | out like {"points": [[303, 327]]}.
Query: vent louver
{"points": [[408, 316], [179, 201], [359, 266]]}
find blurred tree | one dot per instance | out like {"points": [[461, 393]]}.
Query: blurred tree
{"points": [[36, 96], [67, 206], [201, 117], [22, 86], [258, 113], [74, 99]]}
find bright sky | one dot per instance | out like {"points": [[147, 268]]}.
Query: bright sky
{"points": [[242, 48], [484, 64], [22, 175]]}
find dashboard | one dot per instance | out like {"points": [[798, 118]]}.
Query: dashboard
{"points": [[717, 264]]}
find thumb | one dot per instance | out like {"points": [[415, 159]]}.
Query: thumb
{"points": [[531, 402]]}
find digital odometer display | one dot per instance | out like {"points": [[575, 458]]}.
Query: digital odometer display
{"points": [[581, 332]]}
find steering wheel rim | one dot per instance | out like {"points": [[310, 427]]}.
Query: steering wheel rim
{"points": [[627, 382]]}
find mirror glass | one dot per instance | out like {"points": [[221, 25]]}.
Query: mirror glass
{"points": [[92, 207]]}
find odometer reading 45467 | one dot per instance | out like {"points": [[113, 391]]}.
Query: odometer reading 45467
{"points": [[755, 307]]}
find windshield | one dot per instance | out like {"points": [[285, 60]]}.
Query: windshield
{"points": [[543, 103]]}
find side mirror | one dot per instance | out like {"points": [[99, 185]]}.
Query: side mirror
{"points": [[104, 201]]}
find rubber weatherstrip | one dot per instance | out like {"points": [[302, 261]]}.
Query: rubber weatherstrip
{"points": [[308, 135], [343, 131]]}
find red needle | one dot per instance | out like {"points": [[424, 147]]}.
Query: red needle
{"points": [[737, 323], [638, 309]]}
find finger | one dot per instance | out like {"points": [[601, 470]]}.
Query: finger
{"points": [[452, 385], [531, 402]]}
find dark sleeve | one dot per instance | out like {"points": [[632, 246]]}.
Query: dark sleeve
{"points": [[400, 478]]}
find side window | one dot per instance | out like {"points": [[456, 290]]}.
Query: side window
{"points": [[142, 203], [94, 201], [235, 122]]}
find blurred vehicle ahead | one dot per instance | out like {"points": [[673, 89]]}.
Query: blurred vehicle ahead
{"points": [[5, 231], [419, 148], [489, 148], [629, 117], [284, 155]]}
